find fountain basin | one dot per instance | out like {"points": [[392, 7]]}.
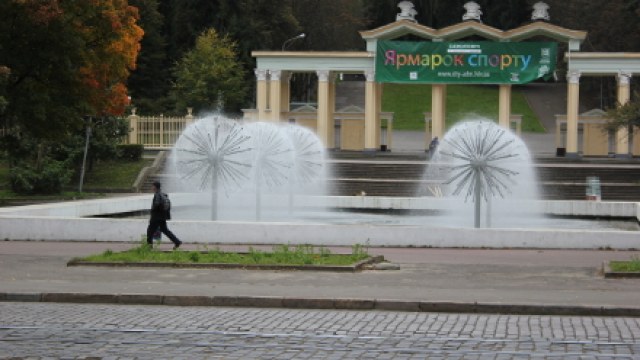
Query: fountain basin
{"points": [[69, 221]]}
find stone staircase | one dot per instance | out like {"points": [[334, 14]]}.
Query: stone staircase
{"points": [[559, 179], [400, 175], [619, 182]]}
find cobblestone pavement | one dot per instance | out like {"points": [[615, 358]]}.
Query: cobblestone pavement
{"points": [[84, 331]]}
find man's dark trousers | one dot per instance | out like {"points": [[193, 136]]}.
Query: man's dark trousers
{"points": [[162, 224]]}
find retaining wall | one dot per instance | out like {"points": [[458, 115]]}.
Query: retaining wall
{"points": [[62, 221]]}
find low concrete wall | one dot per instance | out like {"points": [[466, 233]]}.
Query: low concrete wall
{"points": [[82, 208], [126, 230], [86, 208], [63, 221]]}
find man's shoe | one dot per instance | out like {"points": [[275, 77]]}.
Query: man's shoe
{"points": [[176, 246]]}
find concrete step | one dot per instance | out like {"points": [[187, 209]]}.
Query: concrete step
{"points": [[402, 175]]}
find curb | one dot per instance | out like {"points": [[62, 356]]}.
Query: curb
{"points": [[328, 304], [358, 266], [610, 274]]}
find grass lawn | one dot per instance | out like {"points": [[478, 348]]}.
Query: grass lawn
{"points": [[114, 174], [409, 102], [625, 266], [281, 255]]}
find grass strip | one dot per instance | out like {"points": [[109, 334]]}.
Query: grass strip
{"points": [[281, 255], [625, 266]]}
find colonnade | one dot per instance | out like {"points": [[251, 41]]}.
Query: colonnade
{"points": [[273, 103], [573, 95]]}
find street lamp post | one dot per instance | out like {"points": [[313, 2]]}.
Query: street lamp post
{"points": [[299, 36]]}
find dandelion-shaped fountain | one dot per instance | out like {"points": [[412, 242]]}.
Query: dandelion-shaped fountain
{"points": [[267, 160], [480, 160], [273, 159], [213, 152], [308, 160]]}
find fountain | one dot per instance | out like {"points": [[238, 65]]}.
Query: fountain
{"points": [[212, 153], [481, 162], [274, 174], [268, 160]]}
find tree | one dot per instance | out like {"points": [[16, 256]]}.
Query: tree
{"points": [[330, 25], [85, 50], [624, 116], [149, 83], [43, 87], [4, 74], [252, 24], [110, 31], [438, 13], [210, 74]]}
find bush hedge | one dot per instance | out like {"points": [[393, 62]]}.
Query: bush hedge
{"points": [[131, 152], [26, 180]]}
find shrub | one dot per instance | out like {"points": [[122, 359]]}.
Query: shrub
{"points": [[26, 180], [131, 152]]}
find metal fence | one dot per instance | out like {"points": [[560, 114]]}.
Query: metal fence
{"points": [[157, 132]]}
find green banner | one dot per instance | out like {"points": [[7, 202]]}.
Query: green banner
{"points": [[482, 62]]}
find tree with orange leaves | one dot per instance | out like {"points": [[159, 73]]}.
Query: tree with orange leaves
{"points": [[64, 60], [112, 38]]}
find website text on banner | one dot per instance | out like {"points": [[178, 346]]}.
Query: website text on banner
{"points": [[480, 62]]}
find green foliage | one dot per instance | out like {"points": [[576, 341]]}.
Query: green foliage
{"points": [[149, 84], [440, 13], [463, 101], [49, 179], [210, 74], [4, 76], [84, 52], [4, 173], [106, 134], [632, 265], [114, 174], [107, 175], [624, 116], [130, 152], [42, 89], [281, 255], [359, 250], [330, 25]]}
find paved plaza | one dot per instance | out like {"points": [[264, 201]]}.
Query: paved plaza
{"points": [[80, 331]]}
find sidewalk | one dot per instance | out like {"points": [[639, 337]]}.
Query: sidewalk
{"points": [[453, 280]]}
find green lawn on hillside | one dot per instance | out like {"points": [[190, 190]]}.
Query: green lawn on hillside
{"points": [[111, 174], [410, 102], [114, 174]]}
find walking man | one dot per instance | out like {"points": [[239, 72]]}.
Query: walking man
{"points": [[160, 213], [433, 146]]}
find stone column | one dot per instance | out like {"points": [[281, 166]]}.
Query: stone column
{"points": [[331, 140], [285, 93], [370, 112], [504, 106], [622, 135], [133, 126], [262, 95], [573, 93], [378, 111], [438, 109], [324, 113], [275, 92], [189, 118]]}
